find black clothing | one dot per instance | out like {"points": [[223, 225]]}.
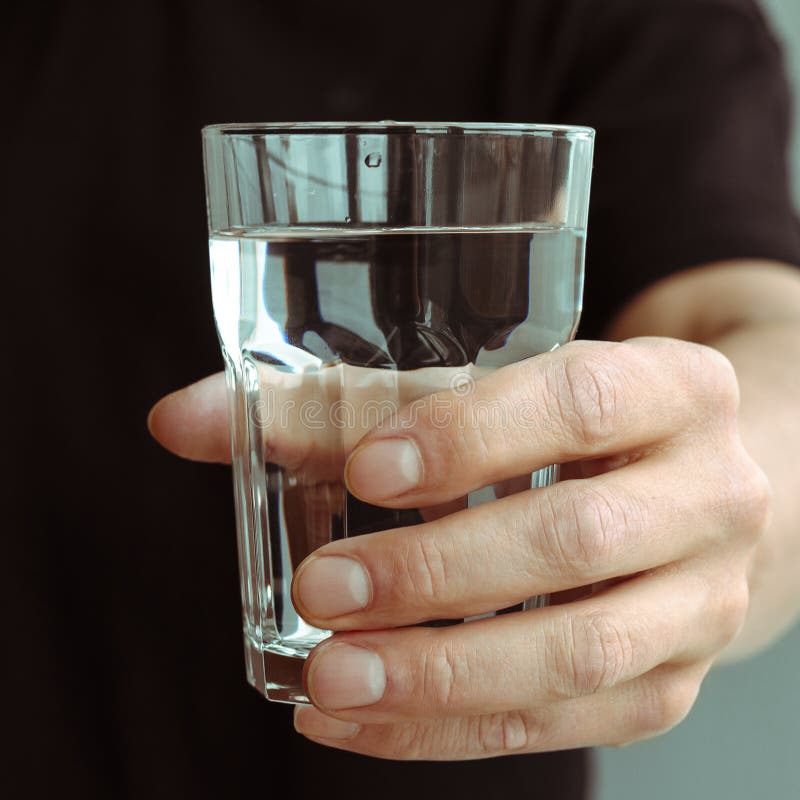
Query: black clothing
{"points": [[119, 562]]}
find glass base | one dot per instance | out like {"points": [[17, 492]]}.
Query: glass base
{"points": [[276, 672]]}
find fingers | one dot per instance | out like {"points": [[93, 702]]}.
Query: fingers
{"points": [[193, 422], [285, 415], [305, 422], [535, 542], [584, 400], [526, 659], [635, 710]]}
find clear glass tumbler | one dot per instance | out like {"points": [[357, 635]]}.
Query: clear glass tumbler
{"points": [[356, 268]]}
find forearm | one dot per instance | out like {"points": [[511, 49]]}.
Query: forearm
{"points": [[751, 313]]}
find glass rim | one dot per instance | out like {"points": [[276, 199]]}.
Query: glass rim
{"points": [[387, 126]]}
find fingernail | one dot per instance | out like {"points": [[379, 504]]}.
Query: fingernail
{"points": [[344, 676], [386, 468], [329, 586], [310, 722]]}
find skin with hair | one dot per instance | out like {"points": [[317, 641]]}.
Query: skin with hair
{"points": [[670, 544]]}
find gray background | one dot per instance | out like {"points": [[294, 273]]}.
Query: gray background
{"points": [[742, 739], [785, 16]]}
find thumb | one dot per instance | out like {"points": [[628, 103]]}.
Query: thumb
{"points": [[193, 422]]}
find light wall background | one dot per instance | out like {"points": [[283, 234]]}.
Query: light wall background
{"points": [[785, 15], [742, 739]]}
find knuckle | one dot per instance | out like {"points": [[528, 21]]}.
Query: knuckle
{"points": [[757, 497], [422, 571], [507, 732], [745, 497], [583, 526], [595, 653], [713, 377], [732, 607], [441, 675], [665, 704], [587, 397], [409, 741], [465, 445]]}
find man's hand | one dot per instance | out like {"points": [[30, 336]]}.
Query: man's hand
{"points": [[660, 520]]}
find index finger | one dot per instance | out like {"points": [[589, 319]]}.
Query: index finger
{"points": [[585, 400]]}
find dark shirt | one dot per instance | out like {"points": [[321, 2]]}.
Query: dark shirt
{"points": [[122, 633]]}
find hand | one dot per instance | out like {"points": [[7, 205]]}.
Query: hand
{"points": [[655, 534]]}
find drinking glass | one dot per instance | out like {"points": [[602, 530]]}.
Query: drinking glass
{"points": [[358, 268]]}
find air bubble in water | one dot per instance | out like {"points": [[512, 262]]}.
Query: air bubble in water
{"points": [[373, 160]]}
